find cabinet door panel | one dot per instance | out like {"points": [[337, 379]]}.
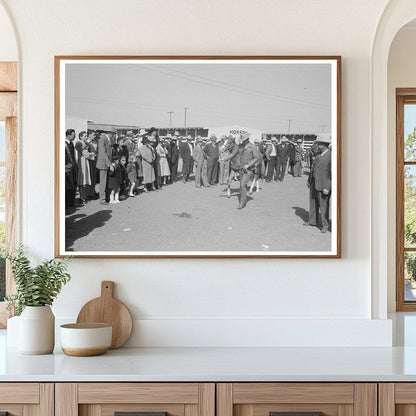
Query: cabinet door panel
{"points": [[105, 399], [331, 399], [397, 399]]}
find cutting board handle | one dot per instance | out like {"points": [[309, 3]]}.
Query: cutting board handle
{"points": [[107, 289]]}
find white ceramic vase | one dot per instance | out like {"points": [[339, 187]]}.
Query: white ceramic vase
{"points": [[37, 330]]}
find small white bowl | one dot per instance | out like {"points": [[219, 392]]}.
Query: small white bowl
{"points": [[83, 340]]}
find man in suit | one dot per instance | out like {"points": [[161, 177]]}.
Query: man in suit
{"points": [[282, 157], [103, 164], [297, 169], [185, 152], [212, 153], [201, 164], [174, 159], [319, 184], [71, 169], [271, 156]]}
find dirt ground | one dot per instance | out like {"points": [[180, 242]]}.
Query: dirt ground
{"points": [[181, 217]]}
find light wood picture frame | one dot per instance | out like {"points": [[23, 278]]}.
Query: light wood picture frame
{"points": [[198, 156]]}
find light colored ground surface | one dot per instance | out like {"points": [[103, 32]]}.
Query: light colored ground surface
{"points": [[183, 218]]}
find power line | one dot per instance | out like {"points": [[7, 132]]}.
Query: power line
{"points": [[258, 95], [170, 118], [257, 92]]}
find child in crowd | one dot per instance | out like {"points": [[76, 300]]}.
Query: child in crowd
{"points": [[132, 174], [124, 178], [114, 180]]}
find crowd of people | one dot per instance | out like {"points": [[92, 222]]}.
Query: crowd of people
{"points": [[127, 165]]}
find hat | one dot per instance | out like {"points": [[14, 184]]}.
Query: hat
{"points": [[244, 136], [168, 136], [268, 142], [176, 133], [284, 139], [115, 157], [199, 139], [175, 139], [230, 136], [223, 137], [324, 138], [213, 136], [299, 140], [129, 133], [142, 132], [152, 129]]}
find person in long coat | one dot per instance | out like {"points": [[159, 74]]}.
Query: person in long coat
{"points": [[319, 184], [84, 174], [282, 157], [162, 152], [71, 169], [174, 159], [92, 161], [147, 155], [201, 165], [212, 152], [103, 164], [185, 152]]}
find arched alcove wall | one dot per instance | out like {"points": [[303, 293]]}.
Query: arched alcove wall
{"points": [[8, 44], [401, 74], [396, 15]]}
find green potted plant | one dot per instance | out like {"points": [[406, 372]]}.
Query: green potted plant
{"points": [[36, 289]]}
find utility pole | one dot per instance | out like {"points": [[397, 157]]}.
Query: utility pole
{"points": [[186, 108], [289, 124], [170, 118], [322, 127]]}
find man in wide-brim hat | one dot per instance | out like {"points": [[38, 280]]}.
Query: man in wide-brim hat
{"points": [[248, 156], [319, 184]]}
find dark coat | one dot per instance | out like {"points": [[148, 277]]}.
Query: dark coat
{"points": [[211, 151], [282, 151], [321, 172], [103, 153], [71, 168], [184, 150]]}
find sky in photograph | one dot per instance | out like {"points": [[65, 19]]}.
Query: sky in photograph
{"points": [[269, 97]]}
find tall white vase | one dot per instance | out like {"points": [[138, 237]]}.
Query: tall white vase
{"points": [[37, 330]]}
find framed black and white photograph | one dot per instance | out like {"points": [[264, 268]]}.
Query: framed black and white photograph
{"points": [[198, 156]]}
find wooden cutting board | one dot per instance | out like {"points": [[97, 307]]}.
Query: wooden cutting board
{"points": [[107, 309]]}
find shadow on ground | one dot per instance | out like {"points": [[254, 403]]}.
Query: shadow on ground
{"points": [[80, 225], [302, 213]]}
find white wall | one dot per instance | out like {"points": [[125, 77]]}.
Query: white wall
{"points": [[401, 74], [246, 302], [8, 46]]}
